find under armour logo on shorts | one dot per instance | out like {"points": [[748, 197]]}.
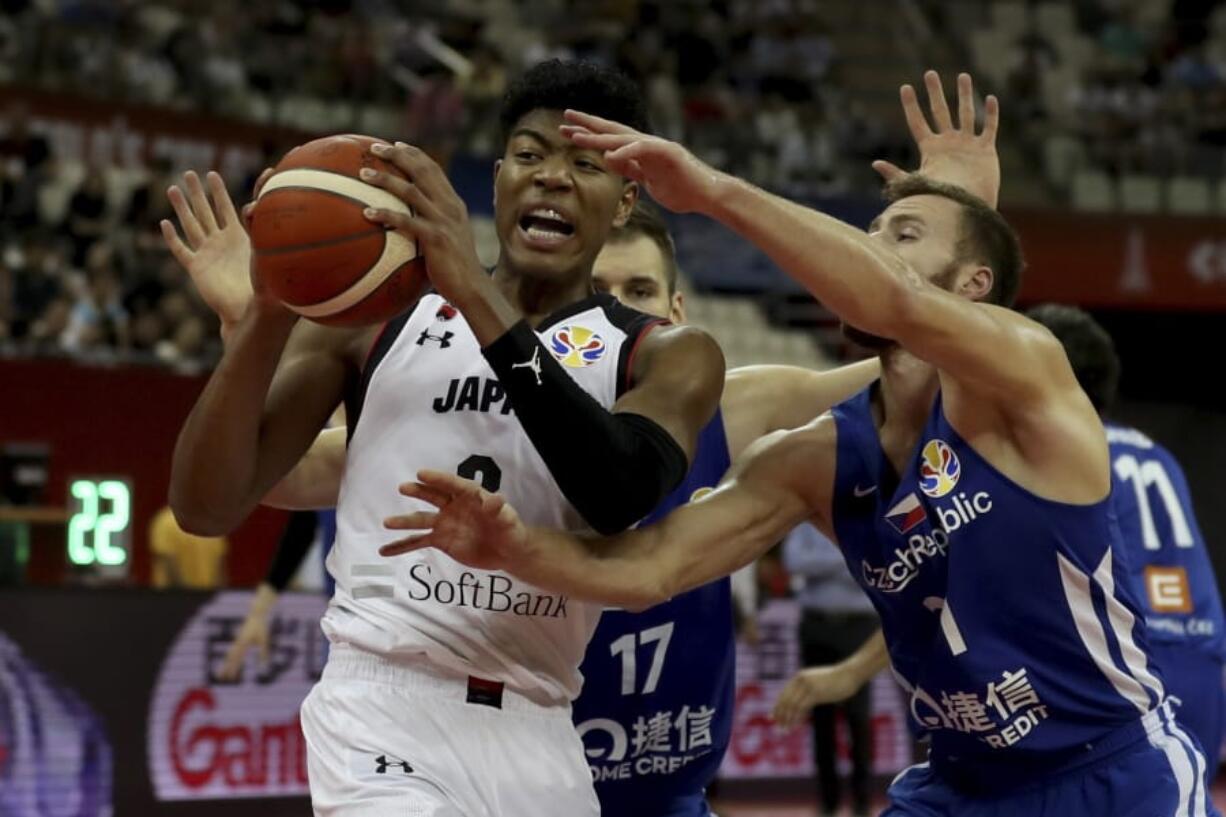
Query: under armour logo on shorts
{"points": [[534, 364]]}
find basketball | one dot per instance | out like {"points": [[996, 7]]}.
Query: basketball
{"points": [[317, 253]]}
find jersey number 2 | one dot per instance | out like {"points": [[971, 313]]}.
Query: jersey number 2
{"points": [[491, 474]]}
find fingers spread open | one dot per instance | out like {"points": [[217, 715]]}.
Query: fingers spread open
{"points": [[966, 103], [450, 484], [192, 230], [221, 199], [425, 493], [181, 252], [991, 118], [916, 122], [418, 520], [936, 101], [199, 201], [403, 546]]}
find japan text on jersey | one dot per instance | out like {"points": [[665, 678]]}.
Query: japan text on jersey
{"points": [[427, 398]]}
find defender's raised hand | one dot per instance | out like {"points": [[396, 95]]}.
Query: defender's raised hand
{"points": [[674, 177], [471, 525], [952, 153], [214, 249]]}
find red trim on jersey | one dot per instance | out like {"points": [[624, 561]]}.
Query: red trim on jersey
{"points": [[634, 350]]}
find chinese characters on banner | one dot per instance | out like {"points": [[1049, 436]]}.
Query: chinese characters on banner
{"points": [[210, 739]]}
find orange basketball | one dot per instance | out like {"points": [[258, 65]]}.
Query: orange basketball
{"points": [[317, 253]]}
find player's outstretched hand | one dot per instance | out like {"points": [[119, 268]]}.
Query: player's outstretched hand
{"points": [[254, 633], [214, 249], [813, 687], [470, 525], [674, 177], [439, 223], [952, 153]]}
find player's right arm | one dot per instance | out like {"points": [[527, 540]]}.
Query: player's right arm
{"points": [[781, 481], [267, 399], [270, 394]]}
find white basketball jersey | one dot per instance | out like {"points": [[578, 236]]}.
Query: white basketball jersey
{"points": [[428, 399]]}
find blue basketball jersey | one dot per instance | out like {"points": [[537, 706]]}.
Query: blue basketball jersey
{"points": [[1171, 572], [655, 712], [1009, 618]]}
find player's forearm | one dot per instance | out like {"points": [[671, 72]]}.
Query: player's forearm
{"points": [[213, 474], [858, 281], [868, 660], [613, 570], [639, 568]]}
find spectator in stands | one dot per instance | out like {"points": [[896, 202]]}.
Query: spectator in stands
{"points": [[98, 319], [86, 221], [25, 166]]}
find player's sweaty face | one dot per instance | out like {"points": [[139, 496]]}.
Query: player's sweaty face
{"points": [[554, 203], [635, 272], [924, 231]]}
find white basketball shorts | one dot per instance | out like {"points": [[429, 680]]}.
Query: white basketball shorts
{"points": [[415, 740]]}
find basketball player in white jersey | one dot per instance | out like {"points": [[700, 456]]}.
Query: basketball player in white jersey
{"points": [[447, 690]]}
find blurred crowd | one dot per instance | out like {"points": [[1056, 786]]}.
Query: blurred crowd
{"points": [[758, 87], [97, 282], [708, 67], [1144, 82]]}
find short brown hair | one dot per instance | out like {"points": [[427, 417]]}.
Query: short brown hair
{"points": [[986, 237], [645, 220]]}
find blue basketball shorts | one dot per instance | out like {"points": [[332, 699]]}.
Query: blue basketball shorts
{"points": [[1160, 774]]}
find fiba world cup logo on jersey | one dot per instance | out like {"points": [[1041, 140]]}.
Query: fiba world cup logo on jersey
{"points": [[576, 346], [939, 469]]}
